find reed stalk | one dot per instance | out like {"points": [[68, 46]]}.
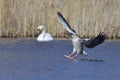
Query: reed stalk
{"points": [[20, 18]]}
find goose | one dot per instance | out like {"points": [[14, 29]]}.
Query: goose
{"points": [[79, 43], [44, 36]]}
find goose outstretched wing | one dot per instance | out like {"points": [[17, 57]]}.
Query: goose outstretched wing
{"points": [[91, 43], [65, 24]]}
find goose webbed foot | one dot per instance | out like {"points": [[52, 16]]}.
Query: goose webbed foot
{"points": [[70, 56]]}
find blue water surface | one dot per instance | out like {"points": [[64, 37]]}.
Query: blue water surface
{"points": [[27, 59]]}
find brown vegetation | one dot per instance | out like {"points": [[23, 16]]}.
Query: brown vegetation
{"points": [[20, 18]]}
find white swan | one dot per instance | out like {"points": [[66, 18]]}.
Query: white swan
{"points": [[44, 36]]}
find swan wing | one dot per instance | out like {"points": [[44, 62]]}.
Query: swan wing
{"points": [[48, 37]]}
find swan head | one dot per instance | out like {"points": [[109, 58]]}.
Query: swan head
{"points": [[41, 27]]}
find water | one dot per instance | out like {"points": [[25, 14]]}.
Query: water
{"points": [[27, 59]]}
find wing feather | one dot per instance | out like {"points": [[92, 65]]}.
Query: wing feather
{"points": [[91, 43], [65, 23]]}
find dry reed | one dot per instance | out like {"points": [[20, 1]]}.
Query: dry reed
{"points": [[20, 18]]}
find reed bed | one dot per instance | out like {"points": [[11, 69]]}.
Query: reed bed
{"points": [[20, 18]]}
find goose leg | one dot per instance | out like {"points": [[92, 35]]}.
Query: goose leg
{"points": [[70, 55], [74, 56]]}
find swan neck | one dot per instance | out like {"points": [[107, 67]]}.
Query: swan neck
{"points": [[43, 31]]}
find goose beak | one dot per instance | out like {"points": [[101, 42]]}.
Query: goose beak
{"points": [[65, 32], [62, 33]]}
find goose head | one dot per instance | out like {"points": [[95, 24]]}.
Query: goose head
{"points": [[65, 32]]}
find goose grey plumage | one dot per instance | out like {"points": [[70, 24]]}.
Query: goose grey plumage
{"points": [[77, 42]]}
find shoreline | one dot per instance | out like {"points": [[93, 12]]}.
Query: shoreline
{"points": [[53, 38]]}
